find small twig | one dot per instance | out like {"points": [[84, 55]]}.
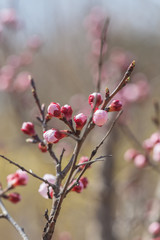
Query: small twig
{"points": [[100, 62], [120, 85], [52, 154], [28, 171], [7, 216]]}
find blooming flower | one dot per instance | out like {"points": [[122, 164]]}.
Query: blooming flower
{"points": [[100, 117], [80, 120], [19, 178], [44, 190], [28, 128]]}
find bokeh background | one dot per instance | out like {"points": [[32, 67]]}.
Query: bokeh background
{"points": [[61, 69]]}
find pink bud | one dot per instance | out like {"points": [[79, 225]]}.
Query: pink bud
{"points": [[156, 152], [78, 187], [14, 197], [84, 181], [95, 98], [53, 135], [28, 128], [54, 110], [34, 42], [155, 138], [44, 189], [130, 154], [67, 111], [22, 81], [148, 144], [154, 228], [83, 159], [140, 161], [42, 147], [115, 106], [80, 120], [19, 178], [100, 117]]}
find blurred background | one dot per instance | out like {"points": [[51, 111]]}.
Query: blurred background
{"points": [[54, 41]]}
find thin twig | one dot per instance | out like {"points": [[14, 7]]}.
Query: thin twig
{"points": [[100, 62], [28, 171], [7, 216]]}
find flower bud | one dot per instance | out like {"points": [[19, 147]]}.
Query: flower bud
{"points": [[28, 128], [140, 161], [154, 228], [80, 121], [115, 106], [66, 110], [84, 181], [42, 147], [95, 98], [83, 159], [19, 178], [53, 135], [130, 154], [78, 187], [100, 117], [14, 197], [54, 110], [156, 152]]}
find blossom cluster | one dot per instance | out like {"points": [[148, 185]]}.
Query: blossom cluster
{"points": [[12, 76], [151, 147], [19, 178]]}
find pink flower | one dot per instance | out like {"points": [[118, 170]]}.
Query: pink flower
{"points": [[140, 161], [154, 228], [14, 197], [26, 58], [28, 128], [8, 17], [42, 147], [83, 159], [53, 135], [19, 178], [156, 152], [54, 110], [100, 117], [95, 97], [34, 42], [80, 121], [131, 92], [22, 81], [155, 138], [44, 189], [148, 144], [84, 181], [67, 111], [115, 106], [130, 154], [78, 187]]}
